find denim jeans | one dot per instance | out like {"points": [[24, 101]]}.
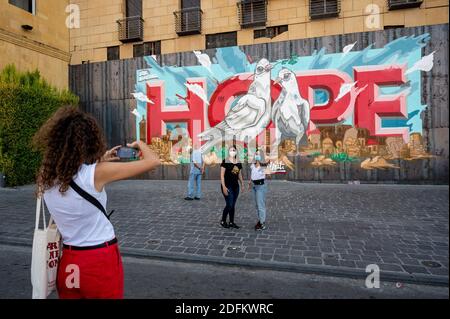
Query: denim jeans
{"points": [[259, 191], [195, 179], [230, 203]]}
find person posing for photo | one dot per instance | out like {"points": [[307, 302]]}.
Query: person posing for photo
{"points": [[195, 175], [230, 177], [74, 150], [258, 183]]}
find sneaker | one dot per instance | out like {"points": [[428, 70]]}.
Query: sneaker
{"points": [[224, 224], [197, 198], [188, 198], [233, 225], [263, 226], [258, 226]]}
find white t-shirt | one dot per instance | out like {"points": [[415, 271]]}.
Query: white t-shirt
{"points": [[257, 172], [79, 222], [197, 159]]}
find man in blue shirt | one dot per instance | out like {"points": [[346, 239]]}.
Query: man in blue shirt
{"points": [[195, 176]]}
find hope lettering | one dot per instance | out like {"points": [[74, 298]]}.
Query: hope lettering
{"points": [[368, 107]]}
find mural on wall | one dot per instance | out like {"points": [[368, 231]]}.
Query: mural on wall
{"points": [[354, 106]]}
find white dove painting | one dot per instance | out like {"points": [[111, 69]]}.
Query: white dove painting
{"points": [[290, 112], [249, 117], [203, 59], [142, 97], [136, 113], [424, 64], [347, 49], [344, 90]]}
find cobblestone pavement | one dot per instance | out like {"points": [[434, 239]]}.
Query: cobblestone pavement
{"points": [[332, 228]]}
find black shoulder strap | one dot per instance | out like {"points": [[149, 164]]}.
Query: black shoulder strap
{"points": [[89, 198]]}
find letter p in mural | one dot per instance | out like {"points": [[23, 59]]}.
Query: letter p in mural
{"points": [[349, 106]]}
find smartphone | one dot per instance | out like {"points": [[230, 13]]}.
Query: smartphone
{"points": [[128, 153]]}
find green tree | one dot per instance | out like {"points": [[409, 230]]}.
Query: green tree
{"points": [[26, 102]]}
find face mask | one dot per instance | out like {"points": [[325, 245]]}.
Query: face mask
{"points": [[257, 157], [232, 153]]}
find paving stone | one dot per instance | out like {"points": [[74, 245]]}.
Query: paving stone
{"points": [[396, 227], [415, 269]]}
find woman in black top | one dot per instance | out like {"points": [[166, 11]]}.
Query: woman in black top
{"points": [[230, 177]]}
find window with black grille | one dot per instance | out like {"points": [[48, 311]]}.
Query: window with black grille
{"points": [[252, 13], [219, 40], [147, 48], [27, 5], [113, 53], [324, 8], [131, 28], [188, 20], [403, 4], [270, 32]]}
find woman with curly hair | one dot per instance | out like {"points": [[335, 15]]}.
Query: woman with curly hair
{"points": [[74, 150]]}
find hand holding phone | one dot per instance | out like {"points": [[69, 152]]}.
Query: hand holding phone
{"points": [[128, 153]]}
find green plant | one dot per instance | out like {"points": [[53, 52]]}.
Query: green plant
{"points": [[342, 157], [315, 154], [26, 102]]}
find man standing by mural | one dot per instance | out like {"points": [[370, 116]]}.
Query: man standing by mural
{"points": [[195, 175]]}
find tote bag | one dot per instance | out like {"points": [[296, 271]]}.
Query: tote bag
{"points": [[45, 255]]}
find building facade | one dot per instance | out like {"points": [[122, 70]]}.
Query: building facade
{"points": [[33, 35], [133, 28]]}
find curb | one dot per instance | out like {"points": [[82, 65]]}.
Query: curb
{"points": [[346, 272], [390, 276]]}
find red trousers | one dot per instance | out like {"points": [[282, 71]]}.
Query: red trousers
{"points": [[92, 274]]}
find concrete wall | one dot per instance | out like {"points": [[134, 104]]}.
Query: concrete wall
{"points": [[104, 89], [46, 47], [99, 28]]}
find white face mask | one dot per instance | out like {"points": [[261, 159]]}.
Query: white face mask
{"points": [[233, 153]]}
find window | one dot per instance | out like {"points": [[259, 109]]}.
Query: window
{"points": [[131, 28], [27, 5], [403, 4], [324, 8], [270, 32], [387, 27], [252, 13], [147, 48], [113, 53], [186, 4], [219, 40], [188, 20], [133, 8]]}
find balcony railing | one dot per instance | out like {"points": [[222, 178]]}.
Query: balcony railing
{"points": [[131, 29], [403, 4], [324, 8], [252, 13], [188, 21]]}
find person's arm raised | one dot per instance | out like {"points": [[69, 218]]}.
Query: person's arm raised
{"points": [[107, 172]]}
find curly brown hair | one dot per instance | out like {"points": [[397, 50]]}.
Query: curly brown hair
{"points": [[68, 139]]}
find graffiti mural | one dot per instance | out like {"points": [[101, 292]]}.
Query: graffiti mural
{"points": [[353, 106]]}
